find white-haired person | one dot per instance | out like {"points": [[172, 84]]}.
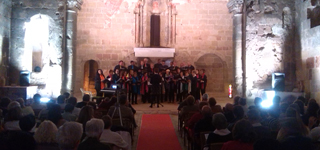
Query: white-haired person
{"points": [[110, 137], [11, 120], [205, 97], [45, 135], [94, 129], [69, 135]]}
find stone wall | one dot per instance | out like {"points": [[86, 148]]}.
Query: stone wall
{"points": [[106, 34], [307, 40], [5, 14], [269, 44]]}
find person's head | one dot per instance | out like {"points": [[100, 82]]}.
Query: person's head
{"points": [[111, 71], [292, 127], [312, 108], [61, 99], [206, 111], [68, 108], [163, 62], [228, 108], [301, 98], [107, 121], [132, 62], [26, 123], [266, 144], [121, 63], [292, 112], [17, 140], [145, 74], [194, 72], [201, 104], [243, 131], [69, 135], [86, 98], [14, 111], [156, 70], [243, 101], [145, 60], [117, 71], [212, 102], [190, 100], [238, 112], [219, 121], [86, 113], [66, 95], [181, 74], [122, 99], [72, 101], [36, 98], [94, 128], [205, 97], [197, 71], [21, 102], [202, 71], [54, 114], [236, 100], [46, 132], [301, 106], [257, 102], [4, 102], [99, 72], [151, 65], [167, 71], [253, 115]]}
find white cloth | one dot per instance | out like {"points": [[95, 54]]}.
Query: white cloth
{"points": [[114, 138], [12, 125], [222, 132], [315, 134]]}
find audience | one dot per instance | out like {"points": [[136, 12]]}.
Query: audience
{"points": [[315, 132], [94, 129], [254, 119], [11, 120], [85, 100], [36, 102], [85, 115], [221, 133], [236, 100], [205, 97], [196, 117], [243, 104], [43, 114], [76, 110], [67, 114], [238, 115], [16, 140], [27, 123], [190, 107], [54, 115], [205, 124], [69, 136], [110, 137], [311, 112], [228, 113], [25, 110], [4, 102], [45, 135], [214, 107], [61, 101]]}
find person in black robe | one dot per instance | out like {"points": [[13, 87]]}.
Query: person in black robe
{"points": [[203, 81], [121, 66], [156, 90], [194, 82], [163, 66], [115, 77], [158, 65], [132, 66]]}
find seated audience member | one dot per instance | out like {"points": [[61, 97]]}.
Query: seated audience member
{"points": [[69, 136], [283, 109], [243, 104], [126, 112], [76, 110], [85, 100], [190, 107], [93, 105], [36, 102], [301, 106], [221, 134], [292, 127], [227, 111], [43, 114], [4, 102], [184, 103], [66, 95], [311, 112], [67, 114], [292, 113], [315, 132], [25, 110], [257, 103], [27, 123], [55, 116], [197, 116], [238, 114], [61, 101], [243, 137], [205, 124], [110, 103], [11, 120], [236, 100], [16, 140], [110, 137], [94, 129], [45, 135], [266, 144], [272, 121], [214, 107], [297, 143], [254, 119], [85, 115], [205, 97], [104, 103]]}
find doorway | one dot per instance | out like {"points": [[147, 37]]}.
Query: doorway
{"points": [[90, 69]]}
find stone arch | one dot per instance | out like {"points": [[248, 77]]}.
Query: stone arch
{"points": [[90, 68], [216, 71]]}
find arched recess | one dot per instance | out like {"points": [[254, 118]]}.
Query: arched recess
{"points": [[216, 71], [90, 69]]}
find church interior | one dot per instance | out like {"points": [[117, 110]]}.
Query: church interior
{"points": [[249, 48]]}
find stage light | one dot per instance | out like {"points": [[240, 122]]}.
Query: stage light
{"points": [[268, 99], [44, 100]]}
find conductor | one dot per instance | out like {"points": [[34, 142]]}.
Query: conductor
{"points": [[156, 89]]}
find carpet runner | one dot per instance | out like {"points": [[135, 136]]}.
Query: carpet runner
{"points": [[157, 133]]}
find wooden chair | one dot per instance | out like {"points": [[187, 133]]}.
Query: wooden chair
{"points": [[216, 146], [203, 138], [185, 130]]}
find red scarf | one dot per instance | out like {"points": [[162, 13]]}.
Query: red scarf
{"points": [[144, 87]]}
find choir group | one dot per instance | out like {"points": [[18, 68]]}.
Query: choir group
{"points": [[154, 82]]}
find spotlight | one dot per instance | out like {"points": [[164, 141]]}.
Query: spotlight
{"points": [[268, 99], [44, 100]]}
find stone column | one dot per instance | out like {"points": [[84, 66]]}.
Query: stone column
{"points": [[137, 22], [169, 24], [174, 14], [141, 23], [70, 45], [235, 7]]}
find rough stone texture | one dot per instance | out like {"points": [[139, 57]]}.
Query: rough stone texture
{"points": [[202, 28], [308, 46], [5, 14], [22, 11], [269, 44]]}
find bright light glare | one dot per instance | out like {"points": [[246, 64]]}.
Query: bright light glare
{"points": [[268, 99], [44, 100]]}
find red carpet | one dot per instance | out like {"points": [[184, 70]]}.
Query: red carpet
{"points": [[157, 133]]}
